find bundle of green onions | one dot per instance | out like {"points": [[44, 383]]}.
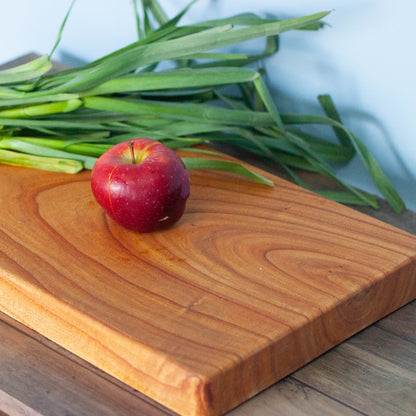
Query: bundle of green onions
{"points": [[63, 121]]}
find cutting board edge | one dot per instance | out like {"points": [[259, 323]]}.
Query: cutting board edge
{"points": [[203, 392], [203, 395], [396, 279], [192, 387]]}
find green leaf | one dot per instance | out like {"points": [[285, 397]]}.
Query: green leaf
{"points": [[180, 107], [156, 10], [23, 100], [264, 94], [331, 111], [201, 112], [146, 23], [174, 21], [351, 197], [328, 151], [174, 79], [366, 198], [142, 55], [378, 176], [271, 48], [140, 34], [250, 19], [61, 29], [52, 124], [197, 150], [78, 145], [225, 166], [9, 93], [41, 109], [26, 72], [45, 163], [34, 149]]}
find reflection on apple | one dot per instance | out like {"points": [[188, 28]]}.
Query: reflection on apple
{"points": [[141, 184]]}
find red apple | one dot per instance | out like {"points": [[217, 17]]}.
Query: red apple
{"points": [[141, 184]]}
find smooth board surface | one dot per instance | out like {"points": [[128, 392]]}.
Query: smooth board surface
{"points": [[251, 284]]}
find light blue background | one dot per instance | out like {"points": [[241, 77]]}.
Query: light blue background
{"points": [[365, 60]]}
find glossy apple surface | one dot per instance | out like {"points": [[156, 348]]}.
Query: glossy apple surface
{"points": [[141, 184]]}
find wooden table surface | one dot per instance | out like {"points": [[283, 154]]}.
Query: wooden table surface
{"points": [[372, 373]]}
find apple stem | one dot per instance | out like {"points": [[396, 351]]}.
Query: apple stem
{"points": [[133, 156]]}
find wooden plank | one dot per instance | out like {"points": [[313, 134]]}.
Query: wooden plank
{"points": [[402, 323], [14, 407], [291, 397], [39, 364], [57, 383], [257, 285], [375, 372], [39, 375]]}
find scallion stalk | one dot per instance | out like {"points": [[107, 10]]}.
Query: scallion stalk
{"points": [[63, 121]]}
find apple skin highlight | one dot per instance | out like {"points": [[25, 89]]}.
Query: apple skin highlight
{"points": [[141, 184]]}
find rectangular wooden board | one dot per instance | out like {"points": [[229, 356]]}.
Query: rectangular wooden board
{"points": [[250, 285]]}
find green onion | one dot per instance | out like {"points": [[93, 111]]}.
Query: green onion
{"points": [[46, 163], [226, 166], [25, 72], [65, 120], [42, 109]]}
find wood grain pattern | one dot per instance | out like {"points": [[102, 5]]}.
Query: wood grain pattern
{"points": [[48, 380], [366, 358], [51, 381], [291, 397], [402, 323], [251, 284], [14, 407]]}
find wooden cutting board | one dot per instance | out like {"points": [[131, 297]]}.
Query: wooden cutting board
{"points": [[250, 285]]}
